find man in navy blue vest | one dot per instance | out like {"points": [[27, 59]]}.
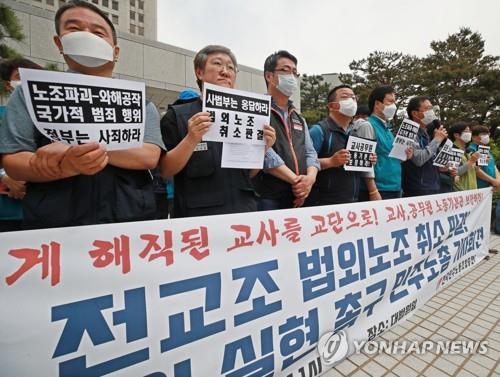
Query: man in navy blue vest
{"points": [[290, 170], [334, 184], [420, 176]]}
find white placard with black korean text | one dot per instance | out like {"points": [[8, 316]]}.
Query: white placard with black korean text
{"points": [[484, 152], [77, 109], [360, 150], [405, 138], [456, 155], [237, 116], [444, 154]]}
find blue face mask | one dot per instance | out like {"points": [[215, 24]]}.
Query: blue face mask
{"points": [[287, 84]]}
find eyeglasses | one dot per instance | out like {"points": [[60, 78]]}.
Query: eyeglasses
{"points": [[348, 96], [220, 66], [288, 72]]}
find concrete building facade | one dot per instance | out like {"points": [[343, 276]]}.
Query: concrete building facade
{"points": [[136, 17], [165, 69], [332, 79]]}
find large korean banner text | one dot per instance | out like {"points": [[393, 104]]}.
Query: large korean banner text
{"points": [[233, 295]]}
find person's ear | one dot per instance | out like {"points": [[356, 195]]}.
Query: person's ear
{"points": [[269, 77], [116, 53], [57, 41]]}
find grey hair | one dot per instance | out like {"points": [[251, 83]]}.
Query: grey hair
{"points": [[201, 57]]}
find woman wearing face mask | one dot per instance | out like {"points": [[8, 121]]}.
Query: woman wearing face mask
{"points": [[465, 178], [201, 186], [487, 176], [9, 71]]}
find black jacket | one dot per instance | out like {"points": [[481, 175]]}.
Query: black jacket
{"points": [[203, 187], [290, 146]]}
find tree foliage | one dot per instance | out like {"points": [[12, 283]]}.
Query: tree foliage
{"points": [[10, 28], [313, 91], [457, 75], [461, 79]]}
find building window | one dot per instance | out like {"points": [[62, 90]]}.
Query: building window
{"points": [[141, 4], [115, 5], [132, 15], [132, 28], [141, 17], [132, 3], [115, 19], [50, 2], [141, 30], [105, 3], [95, 1]]}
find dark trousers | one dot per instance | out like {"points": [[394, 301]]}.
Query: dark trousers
{"points": [[409, 193], [161, 206], [284, 202], [390, 194], [10, 225]]}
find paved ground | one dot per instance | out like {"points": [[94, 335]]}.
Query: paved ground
{"points": [[467, 309]]}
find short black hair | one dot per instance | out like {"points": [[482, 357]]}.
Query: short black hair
{"points": [[333, 92], [272, 61], [378, 94], [457, 128], [415, 103], [8, 66], [83, 4]]}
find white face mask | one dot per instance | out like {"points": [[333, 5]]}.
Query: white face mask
{"points": [[466, 137], [287, 84], [429, 116], [15, 83], [389, 111], [348, 107], [87, 49], [485, 139]]}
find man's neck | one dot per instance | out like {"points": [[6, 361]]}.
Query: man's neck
{"points": [[380, 115], [340, 119], [279, 98], [102, 71]]}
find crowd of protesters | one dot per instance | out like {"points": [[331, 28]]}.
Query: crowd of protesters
{"points": [[51, 184]]}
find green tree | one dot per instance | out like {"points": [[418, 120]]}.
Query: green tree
{"points": [[10, 28], [461, 79], [383, 68], [456, 75], [313, 93]]}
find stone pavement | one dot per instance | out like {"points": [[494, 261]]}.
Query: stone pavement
{"points": [[468, 309]]}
